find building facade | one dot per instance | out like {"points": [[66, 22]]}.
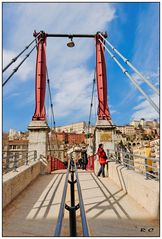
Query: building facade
{"points": [[73, 128], [145, 123], [140, 163], [127, 130]]}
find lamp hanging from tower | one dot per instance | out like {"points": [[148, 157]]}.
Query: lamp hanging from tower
{"points": [[71, 43]]}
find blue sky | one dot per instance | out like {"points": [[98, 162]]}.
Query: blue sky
{"points": [[133, 28]]}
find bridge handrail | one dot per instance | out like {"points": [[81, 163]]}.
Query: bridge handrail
{"points": [[135, 155], [14, 155], [72, 169], [62, 206], [127, 161], [82, 210], [21, 152]]}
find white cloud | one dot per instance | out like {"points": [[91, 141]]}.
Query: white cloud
{"points": [[25, 69], [75, 93], [151, 76], [145, 110]]}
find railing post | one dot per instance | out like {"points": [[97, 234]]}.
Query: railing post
{"points": [[72, 189], [146, 168], [116, 157], [72, 212], [7, 163], [119, 158], [158, 172], [123, 156], [27, 161], [127, 161], [35, 155], [15, 162]]}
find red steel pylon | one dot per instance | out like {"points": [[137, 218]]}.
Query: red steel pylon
{"points": [[40, 78], [103, 110]]}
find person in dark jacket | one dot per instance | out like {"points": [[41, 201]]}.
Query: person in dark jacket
{"points": [[102, 160], [66, 164], [80, 163], [84, 158]]}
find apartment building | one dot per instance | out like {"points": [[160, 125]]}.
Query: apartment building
{"points": [[75, 127], [15, 147], [155, 152], [145, 123], [155, 148], [126, 129]]}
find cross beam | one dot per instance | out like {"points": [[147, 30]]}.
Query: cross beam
{"points": [[70, 35]]}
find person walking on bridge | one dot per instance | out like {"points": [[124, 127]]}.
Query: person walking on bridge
{"points": [[84, 160], [102, 160]]}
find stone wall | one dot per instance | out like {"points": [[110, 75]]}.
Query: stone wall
{"points": [[145, 192], [15, 182]]}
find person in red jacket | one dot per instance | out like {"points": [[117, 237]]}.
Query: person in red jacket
{"points": [[102, 160]]}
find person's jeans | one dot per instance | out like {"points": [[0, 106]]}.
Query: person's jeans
{"points": [[101, 170], [84, 166]]}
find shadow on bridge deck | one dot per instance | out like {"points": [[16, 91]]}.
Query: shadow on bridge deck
{"points": [[34, 212], [109, 210]]}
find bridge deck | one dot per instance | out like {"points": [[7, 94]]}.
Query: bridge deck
{"points": [[109, 210]]}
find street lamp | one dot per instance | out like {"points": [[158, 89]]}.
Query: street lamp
{"points": [[71, 43]]}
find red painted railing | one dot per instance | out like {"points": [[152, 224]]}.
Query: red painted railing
{"points": [[56, 164], [90, 165]]}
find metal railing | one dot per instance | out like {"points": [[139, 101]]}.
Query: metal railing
{"points": [[150, 167], [72, 169], [13, 159]]}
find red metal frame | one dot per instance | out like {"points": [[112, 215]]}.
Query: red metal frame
{"points": [[40, 82], [90, 165], [103, 110]]}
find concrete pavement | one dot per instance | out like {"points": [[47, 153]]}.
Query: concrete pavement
{"points": [[34, 212], [109, 210]]}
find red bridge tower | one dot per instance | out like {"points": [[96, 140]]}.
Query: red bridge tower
{"points": [[40, 82], [103, 110]]}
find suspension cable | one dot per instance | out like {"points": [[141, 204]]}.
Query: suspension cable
{"points": [[91, 105], [51, 104], [15, 58], [131, 66], [50, 123], [133, 80], [52, 111], [95, 103], [15, 70]]}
